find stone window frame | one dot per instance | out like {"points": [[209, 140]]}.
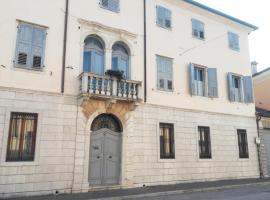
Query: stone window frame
{"points": [[36, 161]]}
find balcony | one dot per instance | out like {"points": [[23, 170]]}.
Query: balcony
{"points": [[109, 88]]}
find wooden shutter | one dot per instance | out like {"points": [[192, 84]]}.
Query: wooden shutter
{"points": [[192, 79], [212, 83], [87, 61], [168, 16], [160, 73], [230, 87], [38, 47], [160, 15], [248, 89], [164, 73], [113, 5], [24, 45]]}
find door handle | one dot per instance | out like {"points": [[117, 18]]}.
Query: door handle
{"points": [[110, 157], [98, 157]]}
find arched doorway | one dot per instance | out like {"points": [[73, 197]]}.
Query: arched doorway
{"points": [[105, 151]]}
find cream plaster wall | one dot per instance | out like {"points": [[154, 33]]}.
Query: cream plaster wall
{"points": [[261, 86], [212, 52]]}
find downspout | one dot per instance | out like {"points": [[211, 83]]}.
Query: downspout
{"points": [[64, 48], [145, 51], [258, 118]]}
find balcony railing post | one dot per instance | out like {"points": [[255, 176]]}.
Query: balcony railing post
{"points": [[85, 83], [115, 87]]}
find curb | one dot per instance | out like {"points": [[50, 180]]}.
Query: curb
{"points": [[175, 192]]}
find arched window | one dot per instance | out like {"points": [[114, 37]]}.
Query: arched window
{"points": [[107, 121], [93, 57], [120, 58]]}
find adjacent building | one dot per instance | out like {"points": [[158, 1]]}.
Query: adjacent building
{"points": [[261, 83], [109, 94]]}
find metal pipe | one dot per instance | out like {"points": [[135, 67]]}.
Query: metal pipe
{"points": [[145, 51], [258, 118], [64, 48]]}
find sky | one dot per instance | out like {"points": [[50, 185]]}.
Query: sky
{"points": [[255, 12]]}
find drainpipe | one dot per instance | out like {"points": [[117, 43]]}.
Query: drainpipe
{"points": [[258, 118], [64, 47], [145, 48]]}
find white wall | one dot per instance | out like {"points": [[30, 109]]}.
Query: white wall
{"points": [[213, 52]]}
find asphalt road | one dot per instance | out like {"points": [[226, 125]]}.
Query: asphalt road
{"points": [[254, 192]]}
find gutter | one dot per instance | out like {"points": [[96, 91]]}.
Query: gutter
{"points": [[64, 48], [258, 118], [216, 12], [145, 51]]}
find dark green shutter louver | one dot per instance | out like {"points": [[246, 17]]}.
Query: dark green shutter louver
{"points": [[230, 87], [248, 89], [191, 79], [212, 83]]}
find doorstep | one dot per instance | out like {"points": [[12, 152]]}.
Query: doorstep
{"points": [[151, 191]]}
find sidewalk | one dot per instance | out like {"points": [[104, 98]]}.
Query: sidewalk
{"points": [[153, 190]]}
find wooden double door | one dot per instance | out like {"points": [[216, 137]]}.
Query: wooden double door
{"points": [[105, 157]]}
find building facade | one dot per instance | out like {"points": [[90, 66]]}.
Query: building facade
{"points": [[107, 94], [261, 81]]}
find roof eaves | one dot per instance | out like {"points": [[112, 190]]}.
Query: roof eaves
{"points": [[221, 14], [261, 72]]}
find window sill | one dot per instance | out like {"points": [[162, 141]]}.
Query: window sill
{"points": [[164, 27], [108, 9], [235, 49], [22, 68], [166, 160], [18, 163], [198, 38]]}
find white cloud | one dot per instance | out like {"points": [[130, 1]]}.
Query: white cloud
{"points": [[255, 12]]}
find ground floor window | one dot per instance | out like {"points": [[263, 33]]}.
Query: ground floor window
{"points": [[204, 142], [242, 143], [22, 137], [166, 141]]}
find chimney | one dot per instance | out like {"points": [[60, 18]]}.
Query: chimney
{"points": [[254, 68]]}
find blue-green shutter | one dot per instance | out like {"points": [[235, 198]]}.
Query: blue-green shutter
{"points": [[233, 41], [192, 79], [164, 73], [38, 45], [248, 89], [160, 15], [97, 63], [114, 5], [212, 82], [230, 87], [24, 45], [87, 61], [164, 16]]}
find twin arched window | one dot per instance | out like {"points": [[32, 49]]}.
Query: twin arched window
{"points": [[94, 56]]}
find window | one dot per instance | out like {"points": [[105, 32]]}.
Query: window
{"points": [[164, 17], [112, 5], [166, 141], [242, 143], [235, 87], [93, 59], [164, 73], [30, 46], [22, 137], [240, 88], [233, 41], [198, 29], [203, 81], [120, 58], [204, 142]]}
